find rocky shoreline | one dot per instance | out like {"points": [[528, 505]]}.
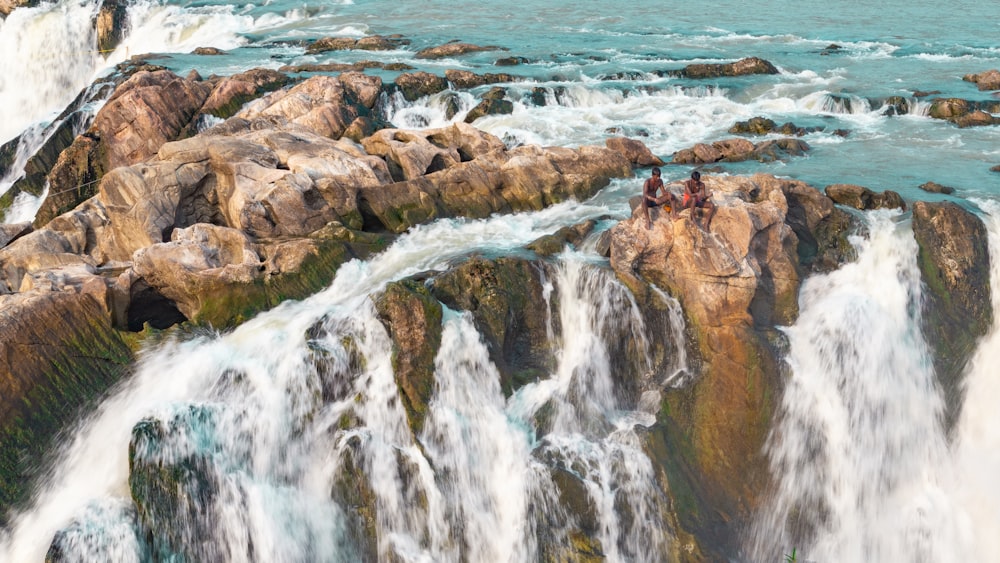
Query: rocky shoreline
{"points": [[150, 223]]}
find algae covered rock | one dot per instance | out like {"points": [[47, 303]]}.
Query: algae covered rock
{"points": [[507, 299], [413, 319], [955, 266]]}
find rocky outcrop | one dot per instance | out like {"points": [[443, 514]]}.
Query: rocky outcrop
{"points": [[454, 49], [520, 179], [413, 318], [506, 298], [415, 85], [965, 113], [742, 67], [740, 149], [955, 266], [733, 284], [634, 151], [464, 79], [764, 126], [989, 80], [110, 25], [369, 43], [862, 198], [231, 92], [493, 103]]}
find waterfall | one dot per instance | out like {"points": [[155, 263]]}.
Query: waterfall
{"points": [[55, 58], [286, 439], [976, 457], [859, 452]]}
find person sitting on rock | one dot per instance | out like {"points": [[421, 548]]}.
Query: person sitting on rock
{"points": [[652, 185], [697, 197]]}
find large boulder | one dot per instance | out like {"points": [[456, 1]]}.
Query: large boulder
{"points": [[413, 318], [324, 105], [148, 110], [58, 354], [864, 199], [110, 25], [955, 266], [989, 80], [734, 285], [507, 300], [635, 151], [465, 79], [231, 92], [415, 85]]}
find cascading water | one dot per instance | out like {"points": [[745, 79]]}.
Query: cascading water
{"points": [[286, 439], [859, 452]]}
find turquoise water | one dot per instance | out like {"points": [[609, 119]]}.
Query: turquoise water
{"points": [[610, 57]]}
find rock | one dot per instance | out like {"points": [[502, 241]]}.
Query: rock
{"points": [[995, 168], [989, 80], [230, 93], [634, 151], [732, 285], [453, 49], [955, 267], [506, 298], [976, 118], [148, 110], [490, 106], [948, 108], [369, 43], [8, 6], [511, 61], [742, 67], [112, 19], [413, 318], [331, 44], [323, 105], [860, 197], [10, 232], [414, 85], [208, 52], [822, 228], [175, 486], [464, 79], [58, 354], [754, 126], [200, 264], [550, 245], [740, 149], [935, 188]]}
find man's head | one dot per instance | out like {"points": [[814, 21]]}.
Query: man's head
{"points": [[656, 171], [695, 175]]}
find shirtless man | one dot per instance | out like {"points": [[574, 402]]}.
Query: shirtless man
{"points": [[696, 196], [652, 185]]}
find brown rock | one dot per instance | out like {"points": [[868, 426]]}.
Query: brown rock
{"points": [[977, 118], [324, 105], [634, 151], [110, 24], [742, 67], [948, 108], [331, 44], [148, 110], [208, 52], [413, 319], [860, 197], [935, 188], [416, 85], [453, 49], [989, 80], [230, 93], [464, 79], [732, 286], [955, 266]]}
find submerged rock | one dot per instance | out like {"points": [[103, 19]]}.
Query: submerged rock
{"points": [[935, 188], [453, 49]]}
